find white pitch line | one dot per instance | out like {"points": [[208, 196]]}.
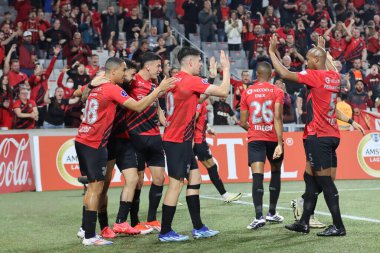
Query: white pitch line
{"points": [[351, 217]]}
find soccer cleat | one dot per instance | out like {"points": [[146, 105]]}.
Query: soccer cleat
{"points": [[144, 229], [257, 223], [125, 228], [153, 224], [96, 241], [332, 231], [274, 218], [204, 232], [172, 237], [232, 197], [315, 223], [80, 233], [107, 233], [297, 207], [298, 227]]}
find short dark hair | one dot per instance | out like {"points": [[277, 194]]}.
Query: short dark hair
{"points": [[187, 51], [112, 63], [130, 64], [265, 68], [149, 56]]}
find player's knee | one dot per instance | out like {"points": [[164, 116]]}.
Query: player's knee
{"points": [[158, 180], [193, 186]]}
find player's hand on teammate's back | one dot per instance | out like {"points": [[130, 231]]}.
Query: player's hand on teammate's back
{"points": [[277, 152], [224, 62], [167, 83]]}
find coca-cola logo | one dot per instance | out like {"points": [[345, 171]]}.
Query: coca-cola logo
{"points": [[68, 164], [13, 168]]}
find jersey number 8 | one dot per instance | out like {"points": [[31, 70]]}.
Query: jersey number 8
{"points": [[264, 109], [90, 114]]}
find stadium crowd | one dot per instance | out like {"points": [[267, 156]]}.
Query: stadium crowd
{"points": [[71, 31]]}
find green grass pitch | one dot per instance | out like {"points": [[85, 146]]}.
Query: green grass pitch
{"points": [[49, 221]]}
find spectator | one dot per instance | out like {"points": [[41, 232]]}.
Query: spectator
{"points": [[23, 8], [31, 25], [283, 32], [345, 108], [239, 88], [323, 27], [39, 84], [289, 113], [7, 19], [12, 69], [341, 10], [89, 35], [76, 50], [301, 36], [304, 17], [222, 14], [372, 81], [158, 8], [127, 5], [288, 9], [338, 44], [222, 111], [28, 54], [68, 24], [144, 47], [55, 36], [25, 109], [152, 38], [190, 17], [119, 48], [93, 68], [270, 18], [110, 23], [289, 48], [6, 103], [233, 28], [356, 49], [291, 87], [7, 38], [207, 22], [359, 99], [164, 51], [170, 9], [68, 87], [78, 74], [373, 45], [55, 115], [356, 73], [132, 25]]}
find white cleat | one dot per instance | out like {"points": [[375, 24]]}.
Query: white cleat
{"points": [[277, 218], [232, 197], [96, 241], [80, 233], [257, 223]]}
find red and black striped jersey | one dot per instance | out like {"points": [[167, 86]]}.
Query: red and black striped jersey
{"points": [[27, 107]]}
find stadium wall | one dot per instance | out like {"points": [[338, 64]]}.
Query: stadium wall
{"points": [[44, 160]]}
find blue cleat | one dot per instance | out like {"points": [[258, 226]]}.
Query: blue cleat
{"points": [[204, 232], [172, 237]]}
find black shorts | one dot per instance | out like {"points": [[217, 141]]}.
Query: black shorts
{"points": [[202, 151], [92, 161], [123, 151], [259, 150], [180, 158], [149, 151], [321, 152]]}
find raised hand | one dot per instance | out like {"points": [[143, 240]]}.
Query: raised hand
{"points": [[213, 67], [57, 50], [224, 62], [167, 83], [321, 42], [273, 42]]}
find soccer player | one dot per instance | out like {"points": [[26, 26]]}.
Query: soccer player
{"points": [[146, 138], [264, 104], [321, 136], [93, 133], [181, 103], [201, 148]]}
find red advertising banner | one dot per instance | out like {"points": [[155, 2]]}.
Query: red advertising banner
{"points": [[16, 172], [369, 120], [358, 158]]}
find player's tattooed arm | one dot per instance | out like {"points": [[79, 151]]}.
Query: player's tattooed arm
{"points": [[280, 69], [343, 117]]}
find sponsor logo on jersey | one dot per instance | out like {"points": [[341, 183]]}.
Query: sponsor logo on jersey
{"points": [[368, 154], [205, 81], [124, 94]]}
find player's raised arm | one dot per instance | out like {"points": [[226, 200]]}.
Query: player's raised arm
{"points": [[224, 89], [139, 106], [281, 69]]}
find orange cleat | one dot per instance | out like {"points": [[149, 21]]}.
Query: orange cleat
{"points": [[107, 233], [125, 228], [144, 230], [153, 224]]}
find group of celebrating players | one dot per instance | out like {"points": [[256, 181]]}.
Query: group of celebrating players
{"points": [[120, 126]]}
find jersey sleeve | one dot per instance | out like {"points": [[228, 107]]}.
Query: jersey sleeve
{"points": [[199, 108], [198, 85], [17, 104], [243, 102], [118, 95], [279, 96], [310, 78]]}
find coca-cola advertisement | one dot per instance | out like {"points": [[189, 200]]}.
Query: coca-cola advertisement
{"points": [[16, 172]]}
